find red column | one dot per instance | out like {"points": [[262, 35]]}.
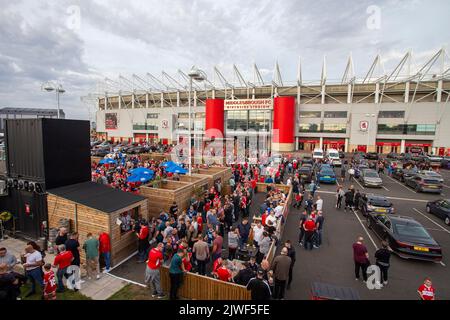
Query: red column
{"points": [[215, 117], [283, 137]]}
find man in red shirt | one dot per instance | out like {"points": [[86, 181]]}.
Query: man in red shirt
{"points": [[426, 290], [105, 250], [49, 283], [152, 272], [310, 227], [143, 243], [62, 261], [361, 258], [223, 273]]}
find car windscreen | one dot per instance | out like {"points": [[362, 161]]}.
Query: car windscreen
{"points": [[371, 174], [320, 154], [379, 202], [334, 155], [327, 173], [411, 230], [305, 170]]}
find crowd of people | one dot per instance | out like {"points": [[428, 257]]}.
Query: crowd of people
{"points": [[51, 278]]}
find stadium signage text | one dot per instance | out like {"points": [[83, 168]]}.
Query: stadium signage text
{"points": [[249, 104]]}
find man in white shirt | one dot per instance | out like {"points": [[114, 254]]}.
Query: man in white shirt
{"points": [[272, 217], [33, 267], [319, 203], [257, 233], [279, 210]]}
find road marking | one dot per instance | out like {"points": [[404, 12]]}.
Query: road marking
{"points": [[392, 198], [385, 188], [446, 230], [401, 184], [127, 280], [359, 183], [442, 264], [446, 186], [364, 227]]}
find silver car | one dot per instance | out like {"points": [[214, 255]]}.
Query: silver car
{"points": [[370, 178], [432, 174]]}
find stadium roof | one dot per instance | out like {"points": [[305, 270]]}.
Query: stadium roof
{"points": [[30, 111]]}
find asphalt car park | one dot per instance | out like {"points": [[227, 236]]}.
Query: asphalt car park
{"points": [[332, 263]]}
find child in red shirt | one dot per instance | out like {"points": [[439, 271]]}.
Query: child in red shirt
{"points": [[49, 283], [426, 290]]}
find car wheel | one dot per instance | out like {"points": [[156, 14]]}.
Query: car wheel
{"points": [[447, 221]]}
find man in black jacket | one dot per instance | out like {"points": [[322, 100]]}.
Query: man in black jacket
{"points": [[291, 254], [259, 287]]}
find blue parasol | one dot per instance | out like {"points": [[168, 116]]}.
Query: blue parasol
{"points": [[108, 161]]}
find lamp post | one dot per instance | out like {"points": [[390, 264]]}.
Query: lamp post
{"points": [[369, 115], [197, 75], [50, 86]]}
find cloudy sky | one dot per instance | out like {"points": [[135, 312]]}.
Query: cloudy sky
{"points": [[79, 43]]}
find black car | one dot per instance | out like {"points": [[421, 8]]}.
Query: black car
{"points": [[402, 174], [100, 152], [136, 150], [405, 236], [441, 209], [341, 155], [371, 156], [307, 160], [305, 173], [392, 155], [423, 183], [371, 203]]}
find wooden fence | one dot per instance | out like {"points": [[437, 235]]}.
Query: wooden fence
{"points": [[196, 287]]}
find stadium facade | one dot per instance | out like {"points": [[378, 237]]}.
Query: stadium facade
{"points": [[383, 112]]}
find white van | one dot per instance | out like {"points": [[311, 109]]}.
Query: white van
{"points": [[333, 156], [318, 154]]}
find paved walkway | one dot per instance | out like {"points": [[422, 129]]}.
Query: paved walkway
{"points": [[100, 289]]}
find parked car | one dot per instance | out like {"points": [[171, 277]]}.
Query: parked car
{"points": [[392, 155], [371, 156], [305, 172], [445, 162], [370, 178], [422, 183], [307, 160], [326, 175], [341, 155], [433, 161], [432, 174], [100, 152], [136, 150], [441, 209], [402, 174], [318, 154], [359, 169], [333, 156], [405, 236], [369, 203]]}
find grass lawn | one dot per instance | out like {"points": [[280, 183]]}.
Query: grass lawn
{"points": [[66, 295], [133, 292]]}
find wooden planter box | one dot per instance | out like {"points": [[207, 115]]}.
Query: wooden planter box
{"points": [[84, 219], [199, 181], [214, 173], [162, 197]]}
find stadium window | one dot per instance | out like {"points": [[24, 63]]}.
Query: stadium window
{"points": [[334, 128], [391, 114], [310, 114], [335, 114], [309, 127], [152, 115]]}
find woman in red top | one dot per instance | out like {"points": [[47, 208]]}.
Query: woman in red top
{"points": [[200, 224]]}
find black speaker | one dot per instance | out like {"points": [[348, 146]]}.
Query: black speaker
{"points": [[51, 152]]}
